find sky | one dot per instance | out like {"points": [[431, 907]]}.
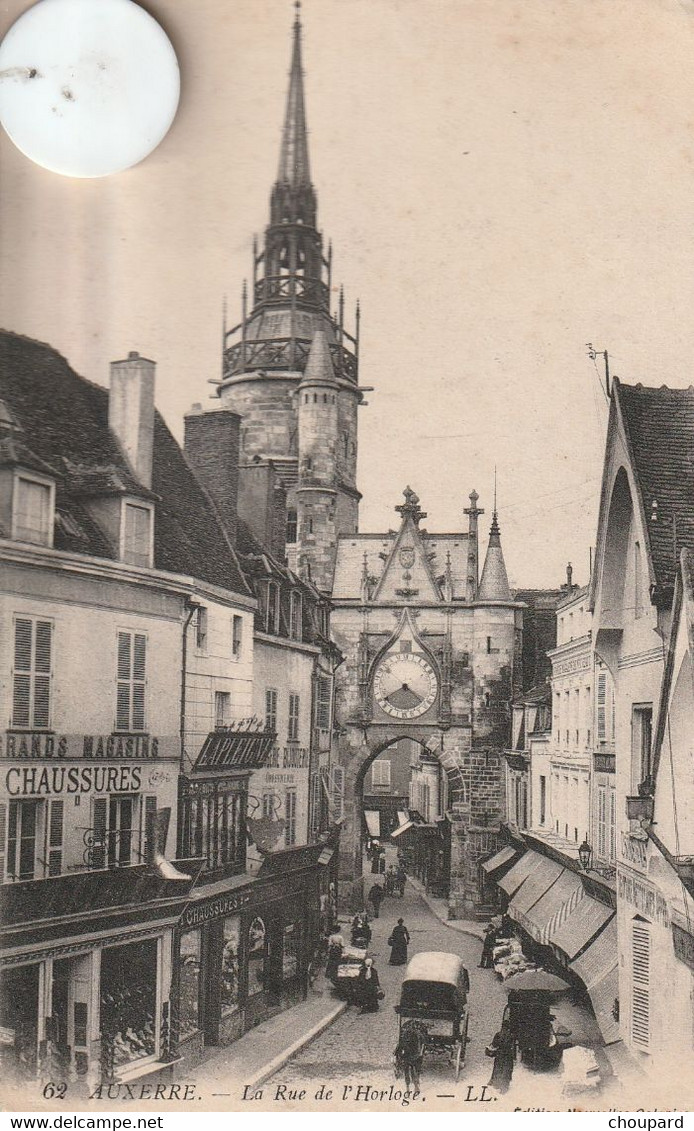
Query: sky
{"points": [[503, 181]]}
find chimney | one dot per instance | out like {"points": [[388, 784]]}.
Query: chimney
{"points": [[131, 412], [569, 576], [211, 444]]}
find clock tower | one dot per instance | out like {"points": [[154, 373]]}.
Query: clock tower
{"points": [[431, 655]]}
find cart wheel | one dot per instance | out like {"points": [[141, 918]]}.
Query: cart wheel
{"points": [[458, 1059]]}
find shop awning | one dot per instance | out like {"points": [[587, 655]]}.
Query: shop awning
{"points": [[373, 822], [543, 873], [498, 860], [517, 874], [402, 817], [603, 997], [582, 925], [416, 828], [402, 829], [554, 906], [599, 958]]}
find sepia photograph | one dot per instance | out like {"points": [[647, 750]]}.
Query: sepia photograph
{"points": [[347, 556]]}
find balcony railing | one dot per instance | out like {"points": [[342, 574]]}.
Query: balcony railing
{"points": [[284, 353], [279, 288]]}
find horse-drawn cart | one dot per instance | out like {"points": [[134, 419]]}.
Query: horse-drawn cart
{"points": [[433, 1013]]}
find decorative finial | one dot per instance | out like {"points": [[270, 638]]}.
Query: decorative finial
{"points": [[297, 20], [410, 508], [495, 491]]}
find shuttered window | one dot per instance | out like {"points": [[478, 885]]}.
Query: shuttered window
{"points": [[612, 825], [290, 817], [337, 792], [97, 847], [602, 693], [641, 983], [33, 512], [21, 839], [293, 718], [3, 840], [295, 616], [315, 803], [148, 813], [54, 854], [31, 698], [137, 535], [323, 702], [130, 697], [271, 709], [602, 822]]}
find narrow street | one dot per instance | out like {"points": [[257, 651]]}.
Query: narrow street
{"points": [[357, 1050]]}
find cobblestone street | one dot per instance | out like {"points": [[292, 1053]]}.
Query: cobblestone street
{"points": [[357, 1050]]}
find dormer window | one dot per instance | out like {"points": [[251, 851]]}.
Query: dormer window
{"points": [[273, 607], [137, 533], [295, 617], [33, 509]]}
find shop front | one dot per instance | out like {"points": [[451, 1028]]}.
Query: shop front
{"points": [[243, 947]]}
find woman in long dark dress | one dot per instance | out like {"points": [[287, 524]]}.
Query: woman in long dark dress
{"points": [[503, 1049], [398, 942], [368, 986]]}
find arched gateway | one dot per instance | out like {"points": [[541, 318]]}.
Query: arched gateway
{"points": [[429, 655]]}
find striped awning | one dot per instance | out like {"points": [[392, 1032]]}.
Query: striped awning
{"points": [[543, 873], [583, 924], [603, 996], [599, 958], [517, 874], [498, 860], [552, 908], [373, 822]]}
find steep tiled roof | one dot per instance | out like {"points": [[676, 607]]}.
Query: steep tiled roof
{"points": [[64, 423], [660, 429]]}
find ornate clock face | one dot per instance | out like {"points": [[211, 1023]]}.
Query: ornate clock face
{"points": [[405, 685]]}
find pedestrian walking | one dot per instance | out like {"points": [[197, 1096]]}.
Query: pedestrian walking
{"points": [[398, 943], [368, 988], [375, 897], [503, 1050]]}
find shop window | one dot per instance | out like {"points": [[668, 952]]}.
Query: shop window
{"points": [[293, 718], [128, 1004], [291, 948], [295, 615], [33, 511], [130, 697], [189, 984], [230, 966], [324, 688], [236, 636], [201, 629], [137, 534], [222, 708], [271, 709], [19, 1003], [31, 702], [257, 956], [641, 742], [214, 828], [641, 982], [290, 817]]}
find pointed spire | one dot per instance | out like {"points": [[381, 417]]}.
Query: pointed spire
{"points": [[319, 366], [494, 584], [294, 167]]}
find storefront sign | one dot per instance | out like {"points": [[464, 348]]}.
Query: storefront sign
{"points": [[645, 899], [99, 747], [568, 667], [684, 945], [634, 850], [44, 781], [242, 748], [604, 763], [291, 757], [217, 908], [280, 779]]}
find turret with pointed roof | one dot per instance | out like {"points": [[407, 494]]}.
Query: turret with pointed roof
{"points": [[494, 583], [290, 367]]}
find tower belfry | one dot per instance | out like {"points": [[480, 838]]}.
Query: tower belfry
{"points": [[304, 427]]}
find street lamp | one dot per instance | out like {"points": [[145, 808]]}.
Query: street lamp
{"points": [[585, 853]]}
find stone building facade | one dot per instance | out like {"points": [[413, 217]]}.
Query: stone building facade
{"points": [[430, 655]]}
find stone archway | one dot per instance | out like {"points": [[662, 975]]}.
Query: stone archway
{"points": [[474, 778]]}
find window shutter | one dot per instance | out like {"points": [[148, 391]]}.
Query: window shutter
{"points": [[12, 841], [99, 832], [3, 836], [149, 845], [613, 825], [337, 792], [641, 983], [55, 838], [323, 697], [601, 823], [21, 704], [602, 689]]}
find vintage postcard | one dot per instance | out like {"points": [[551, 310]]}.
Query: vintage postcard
{"points": [[346, 575]]}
